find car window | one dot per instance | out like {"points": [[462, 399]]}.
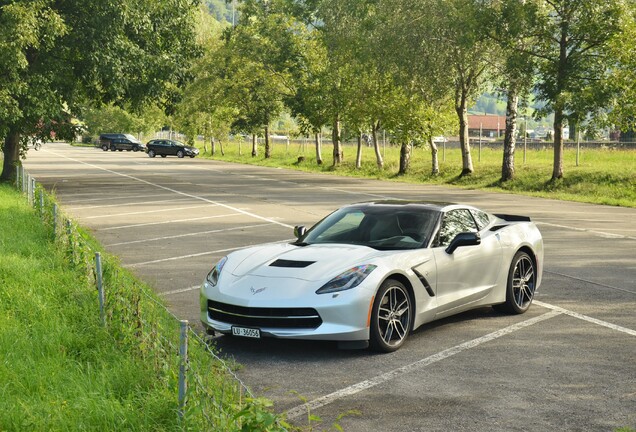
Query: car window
{"points": [[453, 223], [482, 218]]}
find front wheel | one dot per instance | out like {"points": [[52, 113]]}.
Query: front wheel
{"points": [[180, 154], [151, 153], [391, 317], [521, 286], [104, 147]]}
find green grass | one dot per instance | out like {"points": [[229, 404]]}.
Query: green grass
{"points": [[60, 369], [603, 176]]}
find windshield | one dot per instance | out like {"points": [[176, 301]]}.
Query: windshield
{"points": [[387, 227], [130, 137]]}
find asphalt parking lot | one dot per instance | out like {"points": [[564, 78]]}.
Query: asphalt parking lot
{"points": [[569, 363]]}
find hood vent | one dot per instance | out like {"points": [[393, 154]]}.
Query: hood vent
{"points": [[291, 264]]}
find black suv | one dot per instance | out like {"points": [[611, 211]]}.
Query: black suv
{"points": [[166, 147], [118, 141]]}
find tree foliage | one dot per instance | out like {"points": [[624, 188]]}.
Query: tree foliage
{"points": [[69, 54]]}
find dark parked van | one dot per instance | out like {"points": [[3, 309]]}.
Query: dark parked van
{"points": [[119, 141]]}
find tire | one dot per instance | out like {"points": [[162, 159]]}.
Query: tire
{"points": [[104, 147], [180, 154], [113, 148], [521, 285], [136, 149], [391, 317], [151, 153], [164, 155], [191, 156]]}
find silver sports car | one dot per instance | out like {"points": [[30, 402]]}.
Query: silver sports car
{"points": [[370, 273]]}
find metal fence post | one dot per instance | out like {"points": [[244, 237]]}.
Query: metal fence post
{"points": [[32, 192], [54, 221], [17, 179], [183, 360], [100, 289], [41, 203]]}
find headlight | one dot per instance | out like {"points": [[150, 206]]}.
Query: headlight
{"points": [[213, 276], [348, 279]]}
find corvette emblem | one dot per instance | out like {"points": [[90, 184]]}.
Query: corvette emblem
{"points": [[256, 291]]}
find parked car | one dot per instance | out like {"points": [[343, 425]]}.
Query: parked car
{"points": [[120, 142], [370, 273], [167, 147]]}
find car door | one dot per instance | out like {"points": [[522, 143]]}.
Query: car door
{"points": [[469, 273]]}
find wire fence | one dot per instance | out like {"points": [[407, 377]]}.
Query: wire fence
{"points": [[208, 393]]}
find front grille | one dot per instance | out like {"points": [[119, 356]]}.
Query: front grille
{"points": [[287, 318]]}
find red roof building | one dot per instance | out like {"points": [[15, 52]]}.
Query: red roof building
{"points": [[492, 126]]}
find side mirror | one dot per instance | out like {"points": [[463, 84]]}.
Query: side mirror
{"points": [[299, 231], [463, 239]]}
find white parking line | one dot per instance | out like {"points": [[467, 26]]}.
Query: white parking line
{"points": [[388, 376], [185, 256], [200, 254], [112, 198], [174, 190], [149, 211], [586, 318], [188, 234], [587, 230], [179, 291], [169, 222], [81, 207]]}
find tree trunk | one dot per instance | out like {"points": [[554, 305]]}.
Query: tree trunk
{"points": [[318, 148], [508, 165], [268, 150], [205, 145], [405, 158], [359, 152], [212, 146], [461, 102], [11, 156], [557, 170], [221, 148], [434, 158], [254, 145], [376, 145], [337, 145]]}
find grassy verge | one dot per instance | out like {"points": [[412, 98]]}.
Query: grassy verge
{"points": [[603, 176], [62, 369]]}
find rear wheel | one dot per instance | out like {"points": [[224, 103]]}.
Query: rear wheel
{"points": [[151, 153], [104, 147], [112, 147], [180, 154], [522, 280], [391, 317], [163, 155]]}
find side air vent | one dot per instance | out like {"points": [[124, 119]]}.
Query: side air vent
{"points": [[427, 286], [291, 264], [497, 228]]}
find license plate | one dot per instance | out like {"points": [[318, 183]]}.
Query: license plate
{"points": [[246, 332]]}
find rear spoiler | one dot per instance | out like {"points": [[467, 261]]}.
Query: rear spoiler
{"points": [[513, 218]]}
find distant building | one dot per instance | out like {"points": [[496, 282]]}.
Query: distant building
{"points": [[491, 126]]}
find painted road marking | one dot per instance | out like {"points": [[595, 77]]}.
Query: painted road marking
{"points": [[388, 376], [356, 388], [81, 207], [188, 234], [182, 290], [148, 211], [168, 222], [175, 191], [586, 318]]}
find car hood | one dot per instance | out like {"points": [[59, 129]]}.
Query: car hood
{"points": [[308, 263]]}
